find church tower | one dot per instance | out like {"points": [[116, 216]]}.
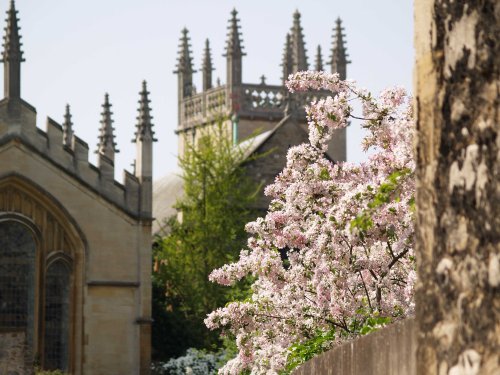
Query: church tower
{"points": [[251, 108], [265, 116]]}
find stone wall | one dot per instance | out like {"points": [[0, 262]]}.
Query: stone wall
{"points": [[457, 103], [73, 160], [13, 358], [111, 261], [389, 351]]}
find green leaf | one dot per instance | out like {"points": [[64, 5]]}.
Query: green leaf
{"points": [[324, 175]]}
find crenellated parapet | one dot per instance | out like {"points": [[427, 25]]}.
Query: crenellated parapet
{"points": [[63, 149], [248, 101], [73, 159]]}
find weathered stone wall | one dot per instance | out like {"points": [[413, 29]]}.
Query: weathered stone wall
{"points": [[13, 357], [390, 351], [458, 192]]}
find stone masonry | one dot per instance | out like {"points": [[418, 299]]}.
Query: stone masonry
{"points": [[457, 85], [13, 358], [251, 108], [78, 216]]}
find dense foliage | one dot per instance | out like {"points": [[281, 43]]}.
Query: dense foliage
{"points": [[214, 210], [347, 230], [173, 330]]}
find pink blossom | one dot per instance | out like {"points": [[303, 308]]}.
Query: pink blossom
{"points": [[348, 229]]}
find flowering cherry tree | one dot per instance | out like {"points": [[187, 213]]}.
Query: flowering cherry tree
{"points": [[347, 230]]}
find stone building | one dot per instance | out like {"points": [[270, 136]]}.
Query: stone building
{"points": [[75, 245], [264, 116]]}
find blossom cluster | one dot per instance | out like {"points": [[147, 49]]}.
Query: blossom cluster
{"points": [[347, 231]]}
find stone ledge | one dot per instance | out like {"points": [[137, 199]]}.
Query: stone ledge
{"points": [[389, 351]]}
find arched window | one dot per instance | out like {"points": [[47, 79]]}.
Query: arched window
{"points": [[57, 295], [40, 278], [17, 278]]}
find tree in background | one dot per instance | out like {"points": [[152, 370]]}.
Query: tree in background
{"points": [[216, 205], [348, 231]]}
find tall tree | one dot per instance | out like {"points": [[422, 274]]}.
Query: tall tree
{"points": [[208, 232]]}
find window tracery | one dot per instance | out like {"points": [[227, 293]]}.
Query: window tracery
{"points": [[17, 278], [37, 279], [57, 300]]}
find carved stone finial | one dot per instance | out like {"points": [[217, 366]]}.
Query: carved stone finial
{"points": [[234, 52], [67, 126], [184, 67], [184, 60], [107, 145], [207, 67], [287, 61], [338, 59], [318, 65], [12, 55], [144, 127], [262, 79], [143, 165], [234, 45], [298, 46]]}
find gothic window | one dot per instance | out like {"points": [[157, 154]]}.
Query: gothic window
{"points": [[37, 285], [18, 285], [56, 343], [17, 278]]}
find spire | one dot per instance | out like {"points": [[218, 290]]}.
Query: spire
{"points": [[207, 67], [184, 60], [12, 55], [67, 127], [144, 127], [298, 45], [184, 66], [234, 52], [338, 59], [143, 167], [318, 65], [233, 45], [106, 145], [287, 61]]}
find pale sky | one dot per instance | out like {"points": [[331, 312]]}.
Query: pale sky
{"points": [[78, 50]]}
